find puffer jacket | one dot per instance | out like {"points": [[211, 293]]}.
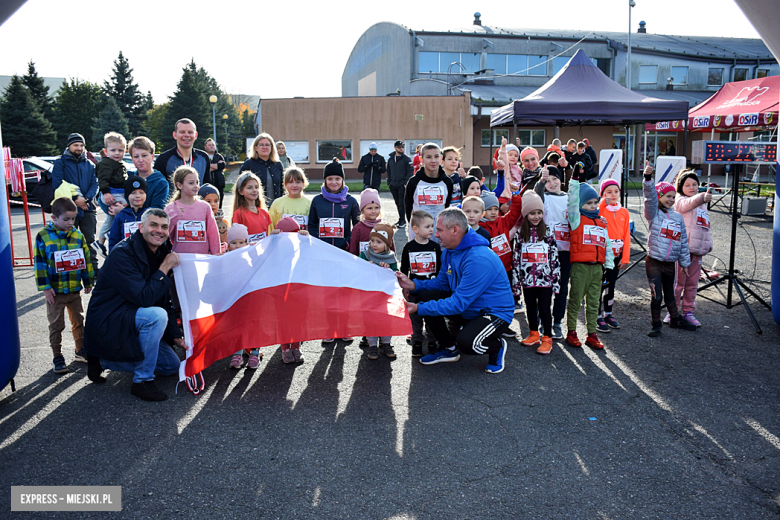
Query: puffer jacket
{"points": [[697, 222], [673, 247], [530, 274]]}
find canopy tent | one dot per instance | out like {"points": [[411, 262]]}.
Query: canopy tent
{"points": [[580, 94]]}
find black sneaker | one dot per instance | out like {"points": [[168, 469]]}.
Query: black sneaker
{"points": [[148, 391], [59, 365], [363, 342], [433, 347], [401, 225], [417, 349], [656, 330], [681, 323], [601, 325], [388, 350], [100, 248], [372, 352], [94, 369], [509, 333], [611, 321]]}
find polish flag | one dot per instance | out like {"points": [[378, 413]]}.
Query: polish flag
{"points": [[284, 289]]}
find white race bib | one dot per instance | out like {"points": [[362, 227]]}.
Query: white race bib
{"points": [[594, 236], [69, 260], [562, 233], [617, 247], [671, 229], [430, 196], [536, 253], [191, 231], [302, 220], [500, 244], [331, 228], [130, 228], [423, 263], [702, 218]]}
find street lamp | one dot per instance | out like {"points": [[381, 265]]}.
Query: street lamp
{"points": [[631, 4], [225, 118], [213, 100]]}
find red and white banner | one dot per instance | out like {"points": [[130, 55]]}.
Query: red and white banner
{"points": [[285, 289]]}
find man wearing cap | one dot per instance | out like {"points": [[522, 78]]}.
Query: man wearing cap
{"points": [[399, 171], [74, 168], [184, 154], [372, 166]]}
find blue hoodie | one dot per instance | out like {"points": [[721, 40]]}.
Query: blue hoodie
{"points": [[477, 279], [157, 186]]}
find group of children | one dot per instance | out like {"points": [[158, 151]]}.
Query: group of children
{"points": [[558, 248]]}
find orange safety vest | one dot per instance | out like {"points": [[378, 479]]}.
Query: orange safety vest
{"points": [[587, 243]]}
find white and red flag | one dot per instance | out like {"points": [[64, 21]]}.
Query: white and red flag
{"points": [[286, 288]]}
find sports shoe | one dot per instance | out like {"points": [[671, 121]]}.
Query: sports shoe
{"points": [[148, 391], [691, 319], [254, 360], [611, 321], [509, 333], [656, 330], [681, 323], [373, 352], [328, 341], [532, 340], [573, 340], [496, 360], [59, 365], [347, 340], [667, 319], [442, 356], [236, 360], [557, 333], [296, 352], [546, 346], [287, 356], [401, 225], [417, 349], [94, 369], [601, 325], [593, 341], [100, 248], [363, 342], [81, 356], [388, 349]]}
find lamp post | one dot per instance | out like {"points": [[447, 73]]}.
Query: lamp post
{"points": [[631, 4], [225, 118], [213, 100]]}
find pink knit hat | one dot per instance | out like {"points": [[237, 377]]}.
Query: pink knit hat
{"points": [[607, 182], [369, 195], [528, 151], [531, 201], [288, 225], [237, 232], [662, 188]]}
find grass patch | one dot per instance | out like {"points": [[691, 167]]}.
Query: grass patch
{"points": [[228, 187], [354, 187]]}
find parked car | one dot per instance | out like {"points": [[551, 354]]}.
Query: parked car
{"points": [[32, 168]]}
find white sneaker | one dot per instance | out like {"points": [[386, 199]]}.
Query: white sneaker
{"points": [[667, 319]]}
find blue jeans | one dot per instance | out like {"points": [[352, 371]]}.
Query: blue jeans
{"points": [[159, 357]]}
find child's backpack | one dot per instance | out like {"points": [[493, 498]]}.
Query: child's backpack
{"points": [[43, 192]]}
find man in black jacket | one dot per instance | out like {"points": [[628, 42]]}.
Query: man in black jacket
{"points": [[399, 171], [372, 166], [130, 319], [184, 154], [217, 167]]}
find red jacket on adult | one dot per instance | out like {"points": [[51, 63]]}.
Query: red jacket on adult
{"points": [[499, 231]]}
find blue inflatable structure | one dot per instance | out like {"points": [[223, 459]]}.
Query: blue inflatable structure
{"points": [[10, 348]]}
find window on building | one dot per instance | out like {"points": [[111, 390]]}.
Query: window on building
{"points": [[679, 75], [429, 62], [535, 138], [740, 74], [648, 74], [603, 64], [715, 76], [383, 148], [446, 59], [558, 64], [327, 149], [411, 145], [470, 60], [497, 62], [298, 151], [517, 64], [537, 65], [762, 73], [497, 135]]}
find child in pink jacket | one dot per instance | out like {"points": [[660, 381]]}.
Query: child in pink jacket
{"points": [[692, 205]]}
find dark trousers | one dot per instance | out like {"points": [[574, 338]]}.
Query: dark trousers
{"points": [[538, 301], [608, 289], [559, 306], [417, 326], [88, 227], [398, 196], [661, 278], [480, 335], [375, 181]]}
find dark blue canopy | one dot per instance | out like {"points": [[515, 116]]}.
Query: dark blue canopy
{"points": [[580, 94]]}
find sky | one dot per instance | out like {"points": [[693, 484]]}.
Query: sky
{"points": [[290, 48]]}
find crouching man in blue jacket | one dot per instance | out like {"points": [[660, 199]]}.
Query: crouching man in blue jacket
{"points": [[471, 290]]}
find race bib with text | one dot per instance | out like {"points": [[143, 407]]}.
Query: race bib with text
{"points": [[331, 228], [535, 253], [672, 230], [423, 263], [594, 236], [500, 244], [191, 231], [69, 260]]}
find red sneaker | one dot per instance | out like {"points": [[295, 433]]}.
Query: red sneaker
{"points": [[572, 339], [593, 341]]}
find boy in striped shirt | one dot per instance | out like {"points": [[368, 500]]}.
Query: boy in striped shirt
{"points": [[62, 266]]}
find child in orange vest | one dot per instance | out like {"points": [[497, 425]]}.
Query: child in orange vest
{"points": [[620, 235]]}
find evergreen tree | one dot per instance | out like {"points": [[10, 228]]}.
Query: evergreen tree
{"points": [[25, 130], [76, 108], [148, 103], [39, 91], [127, 95], [111, 120], [155, 126], [188, 101]]}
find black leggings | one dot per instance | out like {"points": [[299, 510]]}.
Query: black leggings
{"points": [[559, 306], [661, 276], [608, 289], [539, 299]]}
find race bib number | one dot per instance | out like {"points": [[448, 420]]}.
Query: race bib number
{"points": [[430, 196], [617, 247], [364, 246], [423, 263], [130, 228], [500, 244], [594, 236], [70, 260], [191, 231], [702, 218], [535, 253], [671, 229], [300, 219], [257, 237], [562, 232], [331, 228]]}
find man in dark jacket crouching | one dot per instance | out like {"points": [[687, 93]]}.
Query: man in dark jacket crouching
{"points": [[130, 320]]}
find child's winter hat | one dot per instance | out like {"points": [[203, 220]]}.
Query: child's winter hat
{"points": [[369, 196], [384, 232], [531, 201], [135, 182], [208, 189], [587, 193], [555, 172], [288, 225], [237, 232], [684, 176], [662, 188], [512, 147], [490, 199], [333, 168], [607, 182], [466, 182]]}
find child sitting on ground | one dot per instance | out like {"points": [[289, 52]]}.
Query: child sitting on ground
{"points": [[249, 207], [193, 228], [111, 174], [380, 253], [293, 204], [126, 222], [619, 231], [62, 268]]}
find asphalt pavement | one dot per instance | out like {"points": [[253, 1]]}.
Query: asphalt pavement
{"points": [[681, 426]]}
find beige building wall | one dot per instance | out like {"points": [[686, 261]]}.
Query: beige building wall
{"points": [[369, 118]]}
